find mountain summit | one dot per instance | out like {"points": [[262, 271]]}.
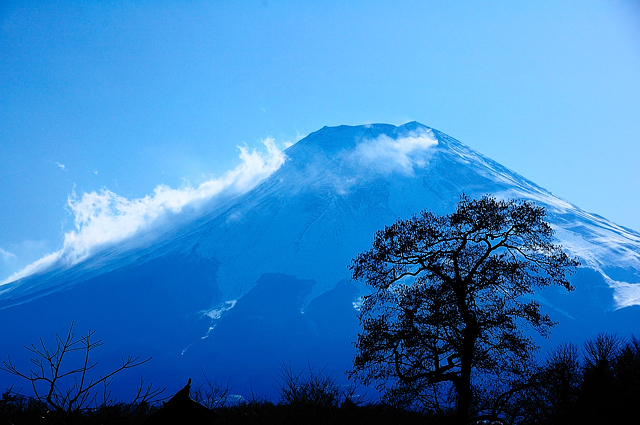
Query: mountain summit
{"points": [[262, 278]]}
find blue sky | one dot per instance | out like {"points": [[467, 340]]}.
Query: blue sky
{"points": [[125, 96]]}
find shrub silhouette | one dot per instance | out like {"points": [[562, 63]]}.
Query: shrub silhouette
{"points": [[313, 388]]}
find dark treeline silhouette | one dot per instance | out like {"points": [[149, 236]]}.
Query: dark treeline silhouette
{"points": [[595, 383]]}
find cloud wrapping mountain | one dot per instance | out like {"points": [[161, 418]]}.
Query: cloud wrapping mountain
{"points": [[104, 218]]}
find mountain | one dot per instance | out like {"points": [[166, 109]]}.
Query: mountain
{"points": [[262, 279]]}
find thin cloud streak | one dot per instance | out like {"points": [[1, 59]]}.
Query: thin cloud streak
{"points": [[6, 255], [104, 218]]}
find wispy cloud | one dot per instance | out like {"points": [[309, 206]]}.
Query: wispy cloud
{"points": [[403, 155], [6, 255], [104, 218], [62, 167]]}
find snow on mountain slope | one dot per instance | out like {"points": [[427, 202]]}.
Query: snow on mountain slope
{"points": [[339, 185], [263, 277]]}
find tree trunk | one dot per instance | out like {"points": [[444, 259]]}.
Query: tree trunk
{"points": [[464, 392], [466, 362]]}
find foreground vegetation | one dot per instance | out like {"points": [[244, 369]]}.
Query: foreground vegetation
{"points": [[593, 384], [446, 338]]}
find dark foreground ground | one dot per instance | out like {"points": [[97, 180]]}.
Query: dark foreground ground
{"points": [[598, 384], [251, 413]]}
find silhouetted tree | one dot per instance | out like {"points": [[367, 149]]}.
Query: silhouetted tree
{"points": [[598, 389], [62, 378], [626, 369], [599, 385], [211, 394], [553, 397], [450, 299]]}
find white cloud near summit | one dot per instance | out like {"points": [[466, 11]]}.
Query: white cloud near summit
{"points": [[104, 218], [403, 155]]}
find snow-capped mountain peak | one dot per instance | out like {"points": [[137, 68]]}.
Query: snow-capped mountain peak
{"points": [[263, 275]]}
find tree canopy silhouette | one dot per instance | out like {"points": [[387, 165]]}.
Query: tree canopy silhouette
{"points": [[451, 294]]}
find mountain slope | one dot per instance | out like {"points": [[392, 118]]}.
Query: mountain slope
{"points": [[263, 279]]}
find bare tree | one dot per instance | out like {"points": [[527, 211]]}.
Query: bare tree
{"points": [[600, 351], [61, 377], [314, 387], [212, 394]]}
